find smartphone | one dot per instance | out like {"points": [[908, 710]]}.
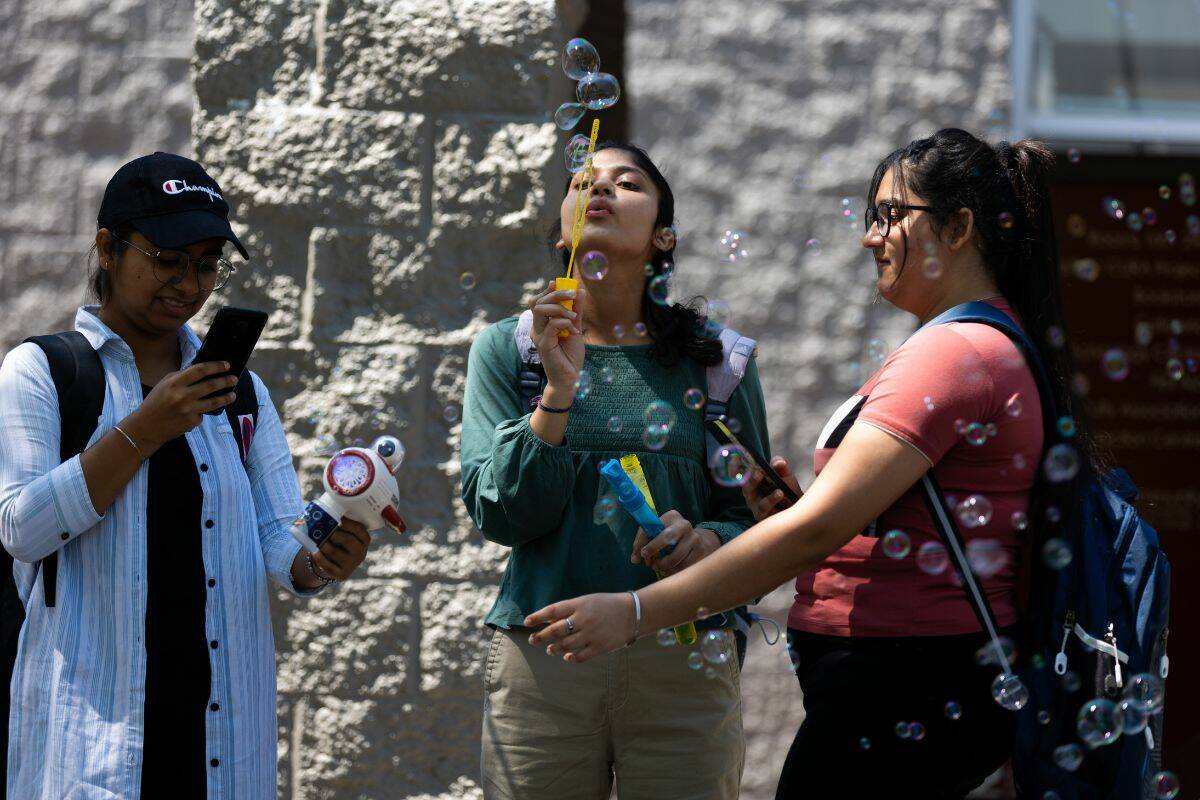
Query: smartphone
{"points": [[720, 431], [231, 338]]}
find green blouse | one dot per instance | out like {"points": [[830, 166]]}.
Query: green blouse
{"points": [[542, 500]]}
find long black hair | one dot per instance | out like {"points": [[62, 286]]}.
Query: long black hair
{"points": [[1006, 188], [676, 330]]}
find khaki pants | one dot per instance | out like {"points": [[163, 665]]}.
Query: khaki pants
{"points": [[559, 731]]}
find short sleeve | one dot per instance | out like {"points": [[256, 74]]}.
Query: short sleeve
{"points": [[931, 387]]}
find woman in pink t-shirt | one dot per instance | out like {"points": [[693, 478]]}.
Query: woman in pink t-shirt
{"points": [[896, 703]]}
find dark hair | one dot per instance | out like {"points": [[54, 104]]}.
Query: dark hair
{"points": [[1006, 189], [99, 280], [678, 329]]}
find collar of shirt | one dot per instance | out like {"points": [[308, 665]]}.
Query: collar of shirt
{"points": [[88, 322]]}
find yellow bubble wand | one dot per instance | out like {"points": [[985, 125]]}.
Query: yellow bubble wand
{"points": [[581, 203]]}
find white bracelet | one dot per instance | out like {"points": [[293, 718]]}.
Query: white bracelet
{"points": [[637, 617], [129, 439]]}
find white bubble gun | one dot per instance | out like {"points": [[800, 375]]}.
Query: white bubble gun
{"points": [[360, 484]]}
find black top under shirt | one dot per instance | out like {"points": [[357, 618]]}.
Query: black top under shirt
{"points": [[178, 676]]}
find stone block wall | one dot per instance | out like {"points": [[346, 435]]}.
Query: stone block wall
{"points": [[84, 87], [768, 117], [374, 153]]}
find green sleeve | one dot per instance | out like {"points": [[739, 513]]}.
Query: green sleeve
{"points": [[728, 514], [514, 485]]}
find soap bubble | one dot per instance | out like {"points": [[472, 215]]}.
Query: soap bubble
{"points": [[902, 731], [1149, 216], [654, 440], [1166, 785], [716, 647], [953, 711], [864, 743], [606, 508], [659, 289], [1143, 333], [695, 660], [1053, 514], [975, 511], [1113, 207], [568, 115], [1043, 717], [660, 417], [730, 465], [1061, 463], [594, 265], [932, 268], [1056, 553], [733, 246], [694, 399], [1164, 192], [932, 558], [450, 413], [1115, 364], [607, 376], [1055, 336], [1170, 236], [1097, 723], [1068, 756], [1133, 220], [580, 59], [1147, 689], [718, 311], [896, 544], [1073, 155], [598, 91], [639, 328], [929, 405], [1013, 406], [1019, 520], [1005, 220], [1009, 692], [1086, 269], [575, 153], [877, 351], [813, 246], [975, 434], [583, 385], [648, 269], [990, 429], [666, 637], [1071, 682], [467, 280], [1132, 715], [1193, 225], [618, 331], [960, 426], [710, 673], [986, 557], [1174, 369], [614, 425], [734, 424], [916, 731]]}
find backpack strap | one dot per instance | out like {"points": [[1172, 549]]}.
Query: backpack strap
{"points": [[723, 378], [532, 374], [78, 376], [242, 414]]}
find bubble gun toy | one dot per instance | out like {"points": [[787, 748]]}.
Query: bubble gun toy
{"points": [[636, 502], [360, 484]]}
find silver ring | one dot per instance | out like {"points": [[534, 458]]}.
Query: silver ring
{"points": [[570, 625]]}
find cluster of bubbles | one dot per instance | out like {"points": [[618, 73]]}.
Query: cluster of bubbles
{"points": [[1101, 721], [732, 247], [910, 731], [594, 90]]}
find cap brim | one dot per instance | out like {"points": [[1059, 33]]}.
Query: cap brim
{"points": [[177, 231]]}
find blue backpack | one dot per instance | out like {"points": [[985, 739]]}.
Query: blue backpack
{"points": [[1092, 624]]}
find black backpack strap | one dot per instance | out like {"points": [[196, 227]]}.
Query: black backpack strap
{"points": [[242, 414], [78, 376]]}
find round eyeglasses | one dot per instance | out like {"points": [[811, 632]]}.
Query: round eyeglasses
{"points": [[171, 266]]}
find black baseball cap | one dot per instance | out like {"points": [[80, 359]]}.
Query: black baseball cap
{"points": [[168, 199]]}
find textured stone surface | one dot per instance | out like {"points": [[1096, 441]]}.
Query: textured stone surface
{"points": [[767, 124], [84, 87]]}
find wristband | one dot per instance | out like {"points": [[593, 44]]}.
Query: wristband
{"points": [[637, 618], [316, 573], [551, 410]]}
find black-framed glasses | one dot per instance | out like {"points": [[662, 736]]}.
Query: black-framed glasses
{"points": [[171, 266], [884, 214]]}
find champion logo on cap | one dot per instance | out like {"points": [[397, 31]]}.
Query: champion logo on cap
{"points": [[176, 186]]}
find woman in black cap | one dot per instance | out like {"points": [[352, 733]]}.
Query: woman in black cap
{"points": [[147, 667]]}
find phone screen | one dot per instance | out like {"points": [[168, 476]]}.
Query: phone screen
{"points": [[232, 338], [721, 432]]}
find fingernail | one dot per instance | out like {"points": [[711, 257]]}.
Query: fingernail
{"points": [[570, 292], [572, 314]]}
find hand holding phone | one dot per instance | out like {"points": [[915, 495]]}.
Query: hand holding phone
{"points": [[721, 432], [231, 338]]}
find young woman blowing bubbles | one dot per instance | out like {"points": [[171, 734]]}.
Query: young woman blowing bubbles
{"points": [[531, 482]]}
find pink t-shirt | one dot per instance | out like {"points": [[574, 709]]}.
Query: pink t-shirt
{"points": [[942, 392]]}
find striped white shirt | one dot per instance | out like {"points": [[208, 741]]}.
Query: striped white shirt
{"points": [[79, 685]]}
